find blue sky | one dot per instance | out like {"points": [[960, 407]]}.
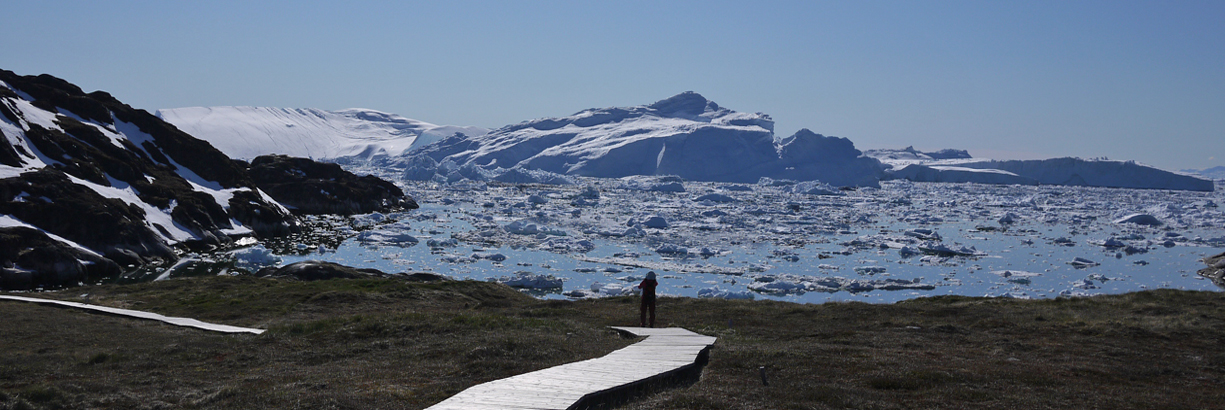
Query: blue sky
{"points": [[1025, 79]]}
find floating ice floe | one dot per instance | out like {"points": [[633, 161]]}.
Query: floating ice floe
{"points": [[598, 290], [1009, 218], [1016, 276], [1110, 242], [529, 227], [786, 255], [584, 202], [869, 270], [940, 249], [254, 258], [442, 243], [812, 188], [1084, 284], [517, 175], [490, 256], [669, 249], [720, 198], [670, 266], [1012, 294], [1081, 263], [1073, 293], [1100, 278], [566, 245], [923, 234], [634, 231], [796, 284], [528, 280], [655, 222], [386, 237], [537, 199], [1139, 219], [717, 293], [452, 258], [663, 183]]}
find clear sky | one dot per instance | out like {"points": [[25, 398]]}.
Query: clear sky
{"points": [[1003, 79]]}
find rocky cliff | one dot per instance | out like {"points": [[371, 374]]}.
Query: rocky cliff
{"points": [[84, 176]]}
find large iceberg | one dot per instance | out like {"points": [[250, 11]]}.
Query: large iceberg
{"points": [[1055, 171], [686, 136], [1099, 173]]}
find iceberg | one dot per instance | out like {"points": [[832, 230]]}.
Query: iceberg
{"points": [[686, 136]]}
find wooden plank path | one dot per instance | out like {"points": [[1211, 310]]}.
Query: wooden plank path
{"points": [[177, 321], [664, 351]]}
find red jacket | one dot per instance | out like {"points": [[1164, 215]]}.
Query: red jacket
{"points": [[648, 287]]}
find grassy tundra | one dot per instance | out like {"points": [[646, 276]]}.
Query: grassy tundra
{"points": [[383, 343]]}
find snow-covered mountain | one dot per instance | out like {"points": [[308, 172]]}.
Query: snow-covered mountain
{"points": [[248, 132], [685, 135], [101, 185]]}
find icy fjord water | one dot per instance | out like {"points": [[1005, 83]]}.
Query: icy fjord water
{"points": [[874, 245]]}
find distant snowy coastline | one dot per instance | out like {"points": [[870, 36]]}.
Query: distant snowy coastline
{"points": [[685, 136]]}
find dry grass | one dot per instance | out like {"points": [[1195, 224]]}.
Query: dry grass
{"points": [[1144, 350], [389, 344], [330, 344]]}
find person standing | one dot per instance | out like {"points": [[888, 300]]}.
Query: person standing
{"points": [[648, 299]]}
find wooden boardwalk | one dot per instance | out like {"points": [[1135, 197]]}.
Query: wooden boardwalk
{"points": [[664, 352], [177, 321]]}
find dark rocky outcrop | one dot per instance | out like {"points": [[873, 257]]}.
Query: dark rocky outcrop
{"points": [[1215, 270], [49, 200], [168, 143], [93, 143], [320, 270], [311, 187], [30, 259]]}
